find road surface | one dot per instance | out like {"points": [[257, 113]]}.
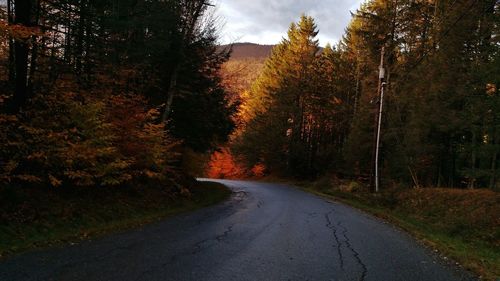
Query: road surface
{"points": [[264, 232]]}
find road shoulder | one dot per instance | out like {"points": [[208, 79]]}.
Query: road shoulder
{"points": [[59, 220], [482, 260]]}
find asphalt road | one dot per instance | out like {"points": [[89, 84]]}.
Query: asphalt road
{"points": [[264, 232]]}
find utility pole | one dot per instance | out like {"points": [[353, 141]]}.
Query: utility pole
{"points": [[381, 86]]}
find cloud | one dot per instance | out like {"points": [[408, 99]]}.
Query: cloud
{"points": [[266, 21]]}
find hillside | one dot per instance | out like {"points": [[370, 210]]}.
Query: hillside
{"points": [[250, 51]]}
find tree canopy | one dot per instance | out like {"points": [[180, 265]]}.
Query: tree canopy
{"points": [[312, 111], [108, 92]]}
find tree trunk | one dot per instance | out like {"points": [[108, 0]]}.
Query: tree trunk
{"points": [[494, 158], [356, 92], [453, 166], [187, 34], [472, 179], [87, 65], [493, 178], [172, 88], [12, 63], [34, 52], [79, 40], [23, 15]]}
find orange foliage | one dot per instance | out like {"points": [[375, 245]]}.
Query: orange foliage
{"points": [[139, 138], [258, 170], [223, 165], [19, 31], [61, 141]]}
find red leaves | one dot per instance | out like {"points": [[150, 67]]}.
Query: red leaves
{"points": [[223, 165]]}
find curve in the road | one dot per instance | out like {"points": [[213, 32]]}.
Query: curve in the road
{"points": [[264, 232]]}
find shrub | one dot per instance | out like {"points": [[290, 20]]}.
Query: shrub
{"points": [[61, 139]]}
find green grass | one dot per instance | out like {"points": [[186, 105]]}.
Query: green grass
{"points": [[475, 246], [37, 219]]}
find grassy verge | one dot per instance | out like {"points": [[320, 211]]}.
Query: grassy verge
{"points": [[34, 218], [462, 225]]}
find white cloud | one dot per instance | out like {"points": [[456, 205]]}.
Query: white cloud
{"points": [[266, 21]]}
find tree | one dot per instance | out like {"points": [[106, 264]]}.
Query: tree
{"points": [[91, 76]]}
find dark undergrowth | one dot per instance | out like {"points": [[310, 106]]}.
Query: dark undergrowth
{"points": [[35, 218]]}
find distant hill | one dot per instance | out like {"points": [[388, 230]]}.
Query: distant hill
{"points": [[243, 51], [250, 51]]}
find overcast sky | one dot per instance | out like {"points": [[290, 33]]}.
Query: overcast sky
{"points": [[266, 21]]}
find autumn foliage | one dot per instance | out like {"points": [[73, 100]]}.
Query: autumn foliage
{"points": [[471, 213], [62, 140], [223, 165], [107, 93], [312, 111]]}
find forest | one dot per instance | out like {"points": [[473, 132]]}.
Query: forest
{"points": [[312, 111], [108, 93]]}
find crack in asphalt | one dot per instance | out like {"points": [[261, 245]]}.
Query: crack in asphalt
{"points": [[228, 208], [198, 247], [225, 234], [354, 252], [260, 203], [292, 236], [237, 197], [338, 244]]}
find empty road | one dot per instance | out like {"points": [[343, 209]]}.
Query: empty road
{"points": [[264, 232]]}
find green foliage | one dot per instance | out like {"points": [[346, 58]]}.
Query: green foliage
{"points": [[310, 112], [440, 125], [296, 118]]}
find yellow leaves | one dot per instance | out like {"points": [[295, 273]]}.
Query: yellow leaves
{"points": [[5, 118], [491, 89], [3, 98], [77, 174], [110, 181], [152, 175], [337, 101], [10, 166], [19, 31], [105, 142], [29, 178], [121, 164], [37, 155], [80, 178], [31, 130], [54, 181], [152, 114]]}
